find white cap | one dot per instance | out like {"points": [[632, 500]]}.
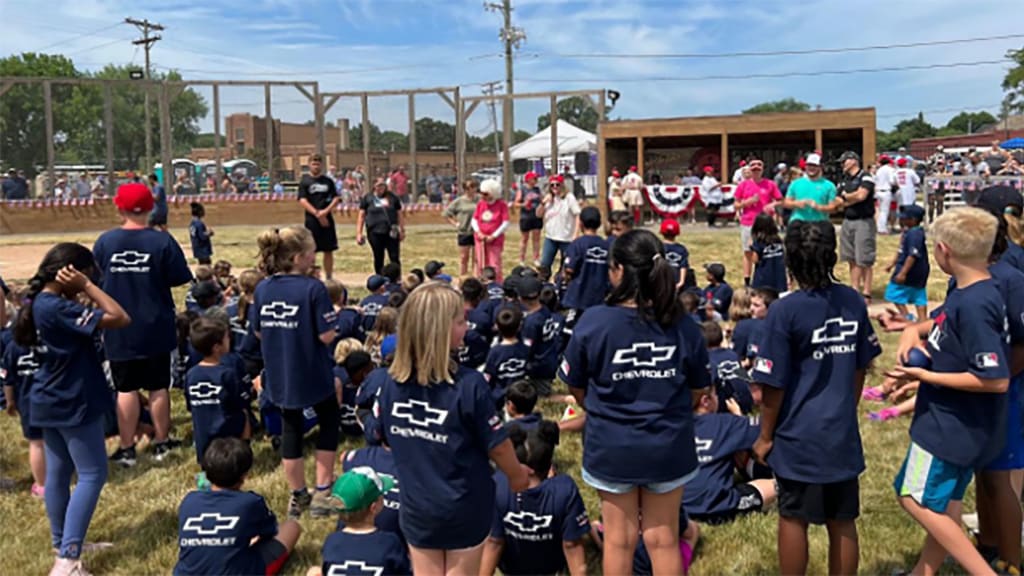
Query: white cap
{"points": [[814, 159], [491, 187], [780, 166]]}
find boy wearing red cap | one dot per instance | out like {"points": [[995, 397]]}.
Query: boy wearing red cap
{"points": [[676, 254], [139, 266]]}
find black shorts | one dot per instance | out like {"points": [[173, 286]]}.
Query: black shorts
{"points": [[819, 503], [750, 501], [150, 374], [464, 240], [325, 237], [272, 553], [157, 220], [529, 224]]}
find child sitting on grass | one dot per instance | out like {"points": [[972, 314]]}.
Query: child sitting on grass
{"points": [[910, 267], [521, 400], [729, 377], [349, 353], [350, 320], [506, 361], [742, 322], [718, 293], [385, 325], [225, 530], [360, 547]]}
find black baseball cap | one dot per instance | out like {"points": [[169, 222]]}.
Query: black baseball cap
{"points": [[432, 268], [912, 212], [848, 155], [529, 287], [1001, 199], [207, 289], [716, 269]]}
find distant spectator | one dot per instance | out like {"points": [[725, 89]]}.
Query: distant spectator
{"points": [[15, 187]]}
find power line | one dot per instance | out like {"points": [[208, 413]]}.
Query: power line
{"points": [[938, 110], [96, 47], [693, 55], [147, 42], [765, 75], [75, 37]]}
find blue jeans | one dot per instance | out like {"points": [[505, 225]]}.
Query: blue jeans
{"points": [[70, 450], [547, 256]]}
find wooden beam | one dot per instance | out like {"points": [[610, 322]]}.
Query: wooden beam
{"points": [[50, 152], [554, 134], [460, 141], [365, 101], [108, 125], [330, 103], [300, 88], [269, 124], [471, 109], [528, 95], [444, 96], [406, 92], [5, 86], [216, 138], [166, 138], [318, 114], [818, 140], [640, 156], [724, 177], [602, 171], [412, 149]]}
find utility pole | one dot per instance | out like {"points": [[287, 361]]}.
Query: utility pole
{"points": [[512, 37], [489, 89], [147, 41]]}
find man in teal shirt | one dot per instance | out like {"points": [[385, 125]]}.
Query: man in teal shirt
{"points": [[813, 197]]}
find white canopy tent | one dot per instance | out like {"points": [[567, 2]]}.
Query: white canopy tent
{"points": [[570, 141]]}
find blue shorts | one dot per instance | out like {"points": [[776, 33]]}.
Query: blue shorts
{"points": [[930, 481], [626, 488], [1012, 456], [900, 294]]}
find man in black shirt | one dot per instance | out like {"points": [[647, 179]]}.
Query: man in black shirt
{"points": [[318, 195], [857, 238]]}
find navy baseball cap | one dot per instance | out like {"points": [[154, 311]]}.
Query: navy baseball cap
{"points": [[376, 282], [912, 212], [529, 287]]}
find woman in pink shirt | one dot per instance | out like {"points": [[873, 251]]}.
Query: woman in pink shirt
{"points": [[489, 223], [753, 196]]}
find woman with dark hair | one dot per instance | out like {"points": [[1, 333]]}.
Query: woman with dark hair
{"points": [[69, 394], [381, 213], [460, 214], [637, 363]]}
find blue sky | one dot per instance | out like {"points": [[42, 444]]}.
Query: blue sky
{"points": [[383, 44]]}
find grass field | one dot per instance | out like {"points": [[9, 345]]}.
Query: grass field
{"points": [[138, 509]]}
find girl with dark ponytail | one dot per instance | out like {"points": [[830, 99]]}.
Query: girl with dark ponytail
{"points": [[539, 530], [635, 363], [69, 394]]}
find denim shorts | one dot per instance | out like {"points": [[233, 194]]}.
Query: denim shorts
{"points": [[625, 488]]}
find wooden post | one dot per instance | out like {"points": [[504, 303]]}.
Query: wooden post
{"points": [[270, 135], [413, 172], [818, 141], [108, 125], [365, 101], [318, 111], [554, 134], [602, 161], [640, 155], [460, 139], [50, 152], [166, 142], [216, 138], [868, 144], [724, 177], [506, 155]]}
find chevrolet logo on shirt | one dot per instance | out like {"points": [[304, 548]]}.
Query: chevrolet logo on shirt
{"points": [[596, 255], [528, 521], [279, 310], [419, 415], [371, 309], [355, 568], [732, 370], [129, 261], [674, 258], [210, 523], [643, 354], [834, 330], [512, 367], [204, 393]]}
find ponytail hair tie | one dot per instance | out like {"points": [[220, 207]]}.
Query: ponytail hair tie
{"points": [[655, 257]]}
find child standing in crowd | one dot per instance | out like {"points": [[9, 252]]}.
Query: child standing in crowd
{"points": [[717, 293], [199, 234], [18, 366], [540, 530], [216, 396], [961, 408], [634, 363], [743, 323], [910, 267], [540, 334], [69, 393], [439, 420], [767, 254], [139, 266], [619, 222], [361, 546], [225, 530], [816, 347], [677, 254], [295, 322], [507, 360], [586, 267]]}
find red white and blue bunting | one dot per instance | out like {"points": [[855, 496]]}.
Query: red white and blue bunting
{"points": [[674, 201], [35, 203]]}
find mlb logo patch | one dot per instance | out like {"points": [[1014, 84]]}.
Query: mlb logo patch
{"points": [[987, 360], [565, 367], [763, 365]]}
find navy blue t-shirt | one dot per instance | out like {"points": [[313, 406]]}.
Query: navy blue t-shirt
{"points": [[18, 367], [70, 388], [720, 297], [290, 312], [506, 363], [217, 400], [159, 202], [638, 378], [527, 423], [719, 437], [473, 352], [587, 257], [677, 256], [730, 379], [139, 269], [382, 462], [495, 291], [540, 333], [366, 397], [199, 235], [535, 523], [348, 420], [912, 243], [1014, 256], [770, 270], [480, 319], [356, 554], [741, 334], [970, 335], [814, 343], [441, 436], [371, 307], [350, 325], [215, 529]]}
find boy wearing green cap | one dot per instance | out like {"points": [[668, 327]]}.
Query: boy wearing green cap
{"points": [[360, 547]]}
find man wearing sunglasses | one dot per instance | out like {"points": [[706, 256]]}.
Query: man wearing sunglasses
{"points": [[753, 196]]}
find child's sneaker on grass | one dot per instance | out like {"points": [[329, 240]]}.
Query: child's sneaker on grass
{"points": [[38, 491], [68, 567], [884, 414], [124, 457], [162, 449], [298, 503], [323, 505]]}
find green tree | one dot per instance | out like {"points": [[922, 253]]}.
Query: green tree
{"points": [[784, 105], [904, 132], [434, 134], [967, 122], [207, 140], [1013, 82], [576, 111]]}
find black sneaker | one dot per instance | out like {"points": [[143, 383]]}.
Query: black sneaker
{"points": [[298, 504], [124, 456], [162, 449]]}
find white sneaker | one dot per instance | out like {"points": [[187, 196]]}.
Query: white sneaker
{"points": [[970, 521], [68, 567]]}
